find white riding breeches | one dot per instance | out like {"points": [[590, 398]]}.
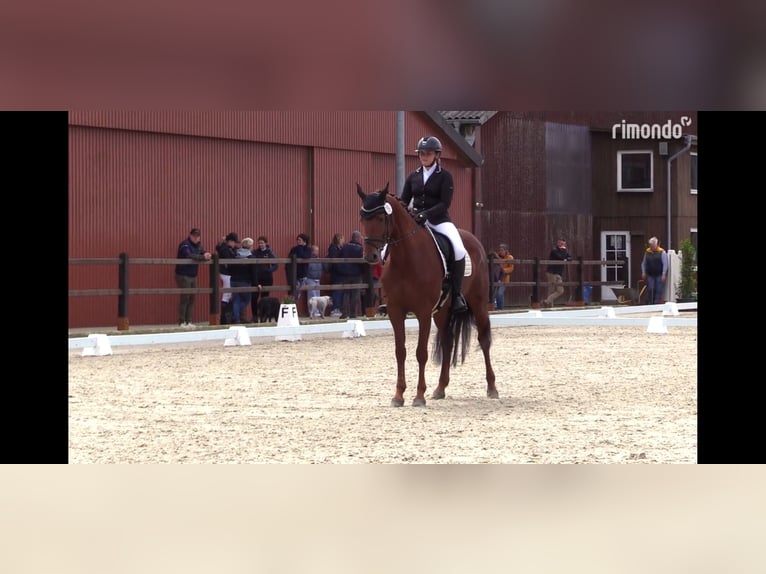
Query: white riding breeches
{"points": [[448, 228]]}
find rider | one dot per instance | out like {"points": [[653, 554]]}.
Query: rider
{"points": [[430, 189]]}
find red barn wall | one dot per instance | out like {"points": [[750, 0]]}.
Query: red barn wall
{"points": [[140, 180]]}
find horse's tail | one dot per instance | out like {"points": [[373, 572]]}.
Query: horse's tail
{"points": [[458, 333]]}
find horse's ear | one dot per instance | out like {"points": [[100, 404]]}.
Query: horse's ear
{"points": [[359, 191], [385, 189]]}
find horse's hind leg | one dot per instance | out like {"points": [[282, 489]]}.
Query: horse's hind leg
{"points": [[485, 342], [446, 345]]}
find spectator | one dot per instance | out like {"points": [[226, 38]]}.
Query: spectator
{"points": [[186, 274], [264, 272], [301, 250], [313, 276], [334, 251], [242, 276], [502, 273], [654, 270], [555, 272], [350, 273], [227, 249]]}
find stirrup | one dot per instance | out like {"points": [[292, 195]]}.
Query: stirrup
{"points": [[459, 304]]}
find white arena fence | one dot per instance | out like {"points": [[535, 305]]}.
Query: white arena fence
{"points": [[660, 318]]}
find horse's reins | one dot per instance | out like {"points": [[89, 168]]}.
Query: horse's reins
{"points": [[381, 242]]}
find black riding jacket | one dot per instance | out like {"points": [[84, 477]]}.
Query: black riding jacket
{"points": [[434, 198]]}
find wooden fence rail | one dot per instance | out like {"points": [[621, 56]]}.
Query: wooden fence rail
{"points": [[124, 291]]}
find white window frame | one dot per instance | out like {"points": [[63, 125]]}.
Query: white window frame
{"points": [[651, 171], [607, 270], [693, 189]]}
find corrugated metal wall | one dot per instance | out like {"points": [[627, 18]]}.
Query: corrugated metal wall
{"points": [[536, 185], [568, 187], [141, 193], [513, 192], [140, 180], [373, 131]]}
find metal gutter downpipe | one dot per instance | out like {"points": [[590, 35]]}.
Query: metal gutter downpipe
{"points": [[399, 153], [688, 140]]}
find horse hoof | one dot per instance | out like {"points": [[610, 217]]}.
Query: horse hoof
{"points": [[418, 402], [397, 402], [493, 394], [438, 395]]}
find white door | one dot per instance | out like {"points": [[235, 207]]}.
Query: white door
{"points": [[615, 246]]}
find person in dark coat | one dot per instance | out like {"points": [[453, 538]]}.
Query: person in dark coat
{"points": [[350, 273], [242, 276], [264, 272], [186, 273], [654, 270], [301, 250], [227, 249], [333, 250], [555, 272]]}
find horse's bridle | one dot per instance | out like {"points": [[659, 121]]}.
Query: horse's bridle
{"points": [[379, 242]]}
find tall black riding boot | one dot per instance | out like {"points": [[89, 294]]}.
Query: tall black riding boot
{"points": [[458, 301]]}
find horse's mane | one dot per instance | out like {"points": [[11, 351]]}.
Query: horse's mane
{"points": [[398, 206], [375, 202]]}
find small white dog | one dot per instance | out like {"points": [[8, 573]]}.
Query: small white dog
{"points": [[318, 305]]}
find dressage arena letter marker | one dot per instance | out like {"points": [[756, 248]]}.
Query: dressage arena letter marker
{"points": [[288, 317], [656, 325], [607, 312], [354, 329], [102, 346], [240, 338], [670, 308]]}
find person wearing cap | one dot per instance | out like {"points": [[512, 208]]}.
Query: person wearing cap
{"points": [[186, 273], [430, 189], [227, 249], [555, 272]]}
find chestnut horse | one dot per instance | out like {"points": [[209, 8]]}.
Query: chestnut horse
{"points": [[413, 279]]}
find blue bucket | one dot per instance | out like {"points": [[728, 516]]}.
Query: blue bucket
{"points": [[586, 291]]}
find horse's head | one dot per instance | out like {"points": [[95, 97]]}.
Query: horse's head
{"points": [[376, 221]]}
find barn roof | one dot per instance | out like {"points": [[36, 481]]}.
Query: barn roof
{"points": [[477, 117], [456, 138]]}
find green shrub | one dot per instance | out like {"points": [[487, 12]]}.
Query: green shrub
{"points": [[687, 284]]}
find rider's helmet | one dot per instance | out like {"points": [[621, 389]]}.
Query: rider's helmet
{"points": [[429, 143]]}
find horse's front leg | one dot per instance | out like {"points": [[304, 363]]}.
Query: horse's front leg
{"points": [[424, 330], [401, 354]]}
